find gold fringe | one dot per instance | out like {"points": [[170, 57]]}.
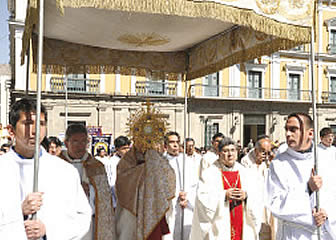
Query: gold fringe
{"points": [[288, 35]]}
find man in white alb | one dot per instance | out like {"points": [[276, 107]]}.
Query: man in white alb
{"points": [[291, 186]]}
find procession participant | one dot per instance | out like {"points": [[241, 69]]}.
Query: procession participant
{"points": [[192, 168], [181, 200], [327, 139], [54, 146], [291, 185], [63, 211], [212, 155], [258, 160], [227, 204], [145, 181], [122, 145], [94, 181]]}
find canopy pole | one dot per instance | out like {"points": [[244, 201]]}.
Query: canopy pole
{"points": [[312, 64], [38, 97]]}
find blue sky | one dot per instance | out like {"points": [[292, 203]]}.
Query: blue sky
{"points": [[4, 32]]}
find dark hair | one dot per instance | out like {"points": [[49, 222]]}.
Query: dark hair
{"points": [[55, 140], [219, 134], [307, 122], [100, 149], [325, 131], [190, 140], [24, 105], [75, 128], [121, 141], [225, 142], [6, 145], [171, 133]]}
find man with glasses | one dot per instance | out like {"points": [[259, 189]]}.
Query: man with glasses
{"points": [[258, 160], [94, 181]]}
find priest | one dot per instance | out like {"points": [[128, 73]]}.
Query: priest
{"points": [[227, 204]]}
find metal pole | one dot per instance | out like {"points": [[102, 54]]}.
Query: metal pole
{"points": [[312, 64], [38, 98]]}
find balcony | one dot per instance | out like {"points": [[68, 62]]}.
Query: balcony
{"points": [[75, 85], [156, 88], [328, 97], [232, 92]]}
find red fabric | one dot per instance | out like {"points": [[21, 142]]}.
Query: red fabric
{"points": [[160, 230], [232, 180]]}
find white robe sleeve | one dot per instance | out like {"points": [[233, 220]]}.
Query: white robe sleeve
{"points": [[75, 220], [289, 202]]}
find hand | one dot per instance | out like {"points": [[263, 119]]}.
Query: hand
{"points": [[235, 194], [315, 182], [184, 203], [320, 216], [32, 203], [35, 229]]}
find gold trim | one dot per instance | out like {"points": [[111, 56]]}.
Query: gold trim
{"points": [[143, 39]]}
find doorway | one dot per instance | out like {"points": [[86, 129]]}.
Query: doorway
{"points": [[254, 125]]}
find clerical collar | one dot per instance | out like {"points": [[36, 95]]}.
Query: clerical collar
{"points": [[307, 150], [84, 157], [225, 168]]}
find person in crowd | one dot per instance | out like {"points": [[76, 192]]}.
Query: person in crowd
{"points": [[175, 158], [227, 202], [261, 153], [327, 138], [54, 146], [4, 135], [212, 155], [61, 207], [94, 181], [122, 146], [145, 183], [101, 155], [191, 176], [258, 160], [5, 147], [291, 184]]}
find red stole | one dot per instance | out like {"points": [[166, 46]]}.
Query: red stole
{"points": [[232, 180], [160, 230]]}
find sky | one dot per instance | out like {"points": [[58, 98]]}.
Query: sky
{"points": [[4, 32]]}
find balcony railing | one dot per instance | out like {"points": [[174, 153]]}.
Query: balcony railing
{"points": [[202, 91], [156, 88], [328, 97], [75, 85]]}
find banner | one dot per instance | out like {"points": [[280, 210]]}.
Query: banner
{"points": [[101, 141]]}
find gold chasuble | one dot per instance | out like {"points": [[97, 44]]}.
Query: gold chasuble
{"points": [[94, 173], [145, 185], [232, 180]]}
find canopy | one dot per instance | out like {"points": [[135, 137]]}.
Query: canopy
{"points": [[193, 37]]}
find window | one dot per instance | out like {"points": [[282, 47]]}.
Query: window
{"points": [[156, 87], [210, 130], [298, 48], [254, 84], [294, 86], [76, 83], [211, 82], [332, 92], [332, 42]]}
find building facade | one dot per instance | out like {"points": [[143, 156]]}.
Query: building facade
{"points": [[241, 101]]}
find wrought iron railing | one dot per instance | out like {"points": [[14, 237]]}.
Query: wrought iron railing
{"points": [[156, 88], [75, 85], [328, 97], [206, 91]]}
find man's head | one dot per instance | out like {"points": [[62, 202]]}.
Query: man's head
{"points": [[190, 146], [22, 122], [122, 145], [5, 147], [263, 149], [326, 136], [101, 152], [227, 150], [76, 140], [172, 143], [54, 146], [216, 139], [299, 131]]}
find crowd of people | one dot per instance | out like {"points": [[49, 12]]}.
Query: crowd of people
{"points": [[160, 190]]}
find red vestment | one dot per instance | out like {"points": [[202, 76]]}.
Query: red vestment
{"points": [[160, 230], [232, 180]]}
